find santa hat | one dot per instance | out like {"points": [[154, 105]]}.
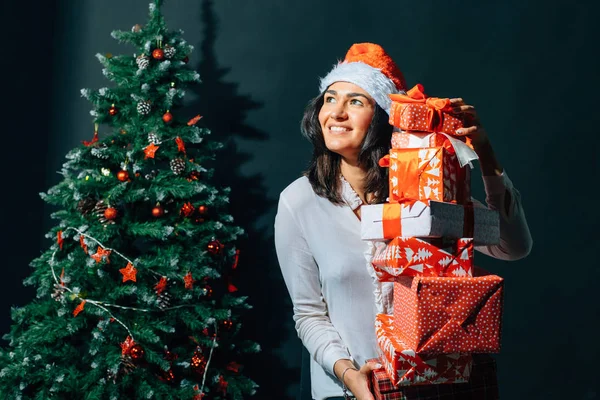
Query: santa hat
{"points": [[367, 65]]}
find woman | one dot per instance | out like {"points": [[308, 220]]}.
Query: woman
{"points": [[317, 227]]}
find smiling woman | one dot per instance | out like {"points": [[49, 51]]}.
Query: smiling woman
{"points": [[317, 227], [345, 118]]}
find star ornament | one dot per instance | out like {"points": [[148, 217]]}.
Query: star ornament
{"points": [[161, 285], [82, 244], [100, 254], [180, 144], [188, 279], [150, 150], [127, 345], [79, 308], [128, 272]]}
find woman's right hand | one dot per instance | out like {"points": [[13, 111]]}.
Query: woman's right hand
{"points": [[358, 381]]}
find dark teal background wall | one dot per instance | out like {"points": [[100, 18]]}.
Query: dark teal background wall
{"points": [[530, 68]]}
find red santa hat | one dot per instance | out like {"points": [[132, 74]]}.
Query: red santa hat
{"points": [[368, 65]]}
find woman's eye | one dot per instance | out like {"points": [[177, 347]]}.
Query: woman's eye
{"points": [[329, 99], [356, 102]]}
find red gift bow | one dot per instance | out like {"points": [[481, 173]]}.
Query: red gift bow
{"points": [[436, 106]]}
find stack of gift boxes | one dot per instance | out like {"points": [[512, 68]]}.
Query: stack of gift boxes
{"points": [[444, 308]]}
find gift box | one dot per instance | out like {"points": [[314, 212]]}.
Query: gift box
{"points": [[406, 367], [449, 314], [429, 219], [416, 112], [414, 140], [482, 384], [432, 173], [410, 256]]}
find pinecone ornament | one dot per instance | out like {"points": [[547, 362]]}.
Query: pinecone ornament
{"points": [[86, 205], [153, 138], [143, 107], [59, 292], [177, 165], [169, 51], [142, 61], [99, 210], [164, 300]]}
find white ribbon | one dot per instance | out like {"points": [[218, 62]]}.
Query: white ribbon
{"points": [[464, 153]]}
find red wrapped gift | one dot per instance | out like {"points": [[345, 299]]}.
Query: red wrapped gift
{"points": [[449, 314], [410, 256], [482, 385], [432, 173], [405, 367], [415, 112], [413, 140]]}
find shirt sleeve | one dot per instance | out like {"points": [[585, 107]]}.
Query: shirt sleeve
{"points": [[515, 238], [301, 276]]}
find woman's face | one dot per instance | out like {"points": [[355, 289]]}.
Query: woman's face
{"points": [[345, 118]]}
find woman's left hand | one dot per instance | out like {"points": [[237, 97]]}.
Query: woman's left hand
{"points": [[479, 138], [472, 126]]}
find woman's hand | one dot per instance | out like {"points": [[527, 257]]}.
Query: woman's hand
{"points": [[479, 138], [358, 381]]}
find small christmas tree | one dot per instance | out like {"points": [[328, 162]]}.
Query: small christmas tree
{"points": [[135, 298]]}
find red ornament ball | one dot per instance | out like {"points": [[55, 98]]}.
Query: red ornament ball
{"points": [[123, 175], [158, 54], [214, 247], [158, 211], [137, 353], [167, 117], [113, 110], [110, 213], [202, 209], [186, 59]]}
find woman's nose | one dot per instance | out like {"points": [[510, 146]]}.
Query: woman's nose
{"points": [[339, 111]]}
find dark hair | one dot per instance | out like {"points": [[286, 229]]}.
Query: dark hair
{"points": [[323, 171]]}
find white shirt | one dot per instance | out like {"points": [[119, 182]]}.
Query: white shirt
{"points": [[322, 259]]}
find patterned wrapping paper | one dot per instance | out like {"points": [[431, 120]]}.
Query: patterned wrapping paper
{"points": [[415, 111], [482, 385], [432, 173], [449, 314], [429, 219], [423, 118], [410, 256], [413, 140], [405, 367]]}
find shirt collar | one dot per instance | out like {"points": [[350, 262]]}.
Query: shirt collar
{"points": [[349, 196]]}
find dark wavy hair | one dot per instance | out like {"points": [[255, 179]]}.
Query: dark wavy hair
{"points": [[324, 168]]}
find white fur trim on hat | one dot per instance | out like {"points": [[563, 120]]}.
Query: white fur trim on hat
{"points": [[370, 79]]}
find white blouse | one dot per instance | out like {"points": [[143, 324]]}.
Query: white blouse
{"points": [[322, 259]]}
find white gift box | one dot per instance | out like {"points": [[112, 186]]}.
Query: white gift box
{"points": [[432, 219]]}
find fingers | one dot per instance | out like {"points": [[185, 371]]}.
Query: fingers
{"points": [[467, 131], [370, 366]]}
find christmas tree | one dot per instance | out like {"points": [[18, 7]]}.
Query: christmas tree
{"points": [[136, 295]]}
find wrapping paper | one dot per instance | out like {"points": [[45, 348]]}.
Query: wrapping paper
{"points": [[414, 140], [429, 219], [415, 111], [431, 173], [410, 256], [482, 385], [449, 314], [405, 367]]}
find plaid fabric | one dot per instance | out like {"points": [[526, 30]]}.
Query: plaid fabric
{"points": [[482, 385]]}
